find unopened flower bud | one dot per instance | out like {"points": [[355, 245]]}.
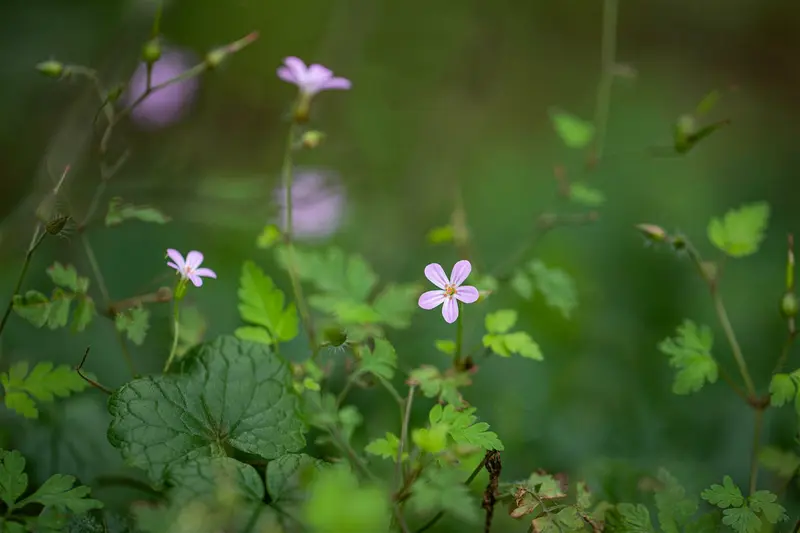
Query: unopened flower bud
{"points": [[679, 243], [652, 232], [335, 336], [51, 68], [215, 57], [312, 139], [151, 51], [789, 305]]}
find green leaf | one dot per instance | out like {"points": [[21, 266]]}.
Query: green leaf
{"points": [[254, 334], [386, 448], [575, 133], [447, 347], [382, 361], [134, 323], [582, 194], [337, 503], [33, 307], [443, 490], [432, 440], [84, 313], [205, 476], [395, 304], [269, 236], [333, 272], [763, 501], [441, 235], [234, 394], [434, 384], [289, 475], [783, 463], [705, 523], [781, 389], [522, 284], [464, 428], [192, 331], [13, 479], [262, 303], [557, 287], [741, 520], [725, 495], [119, 212], [740, 232], [634, 518], [11, 527], [60, 303], [44, 383], [584, 496], [67, 277], [675, 509], [690, 352], [522, 344], [501, 321], [58, 492]]}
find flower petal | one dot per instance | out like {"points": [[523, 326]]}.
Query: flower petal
{"points": [[467, 294], [460, 272], [297, 68], [435, 274], [450, 310], [197, 280], [317, 74], [173, 265], [194, 259], [287, 75], [177, 258], [430, 299], [337, 83], [208, 273]]}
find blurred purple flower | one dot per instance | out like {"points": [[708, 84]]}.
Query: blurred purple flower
{"points": [[311, 79], [317, 204], [450, 289], [168, 105], [190, 268]]}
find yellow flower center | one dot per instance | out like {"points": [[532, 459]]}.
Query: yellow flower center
{"points": [[449, 291]]}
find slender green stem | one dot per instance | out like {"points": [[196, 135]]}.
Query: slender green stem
{"points": [[398, 474], [722, 314], [608, 52], [288, 178], [787, 348], [357, 462], [36, 240], [459, 336], [757, 430], [176, 314]]}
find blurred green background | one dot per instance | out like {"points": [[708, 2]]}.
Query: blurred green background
{"points": [[447, 95]]}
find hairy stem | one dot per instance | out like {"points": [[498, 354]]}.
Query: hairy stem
{"points": [[459, 337], [36, 240], [176, 321], [288, 178], [608, 52], [722, 314], [757, 430]]}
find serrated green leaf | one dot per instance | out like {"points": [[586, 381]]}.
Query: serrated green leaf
{"points": [[582, 194], [522, 344], [254, 334], [262, 303], [781, 389], [675, 509], [269, 236], [464, 428], [740, 232], [60, 303], [443, 489], [557, 287], [289, 476], [575, 132], [67, 277], [84, 313], [119, 212], [59, 492], [434, 384], [386, 447], [764, 502], [441, 235], [432, 440], [725, 495], [338, 503], [634, 518], [690, 352], [584, 495], [522, 284], [741, 520], [382, 361], [206, 476], [233, 393], [13, 479], [783, 463], [44, 383], [333, 272], [135, 323], [501, 321], [33, 307], [395, 305]]}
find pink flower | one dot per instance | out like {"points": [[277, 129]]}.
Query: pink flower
{"points": [[311, 79], [318, 202], [450, 289], [189, 269]]}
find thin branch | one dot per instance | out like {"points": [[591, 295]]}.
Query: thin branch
{"points": [[608, 52], [36, 240], [89, 380]]}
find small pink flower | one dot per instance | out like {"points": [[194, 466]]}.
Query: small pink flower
{"points": [[189, 268], [311, 79], [450, 289]]}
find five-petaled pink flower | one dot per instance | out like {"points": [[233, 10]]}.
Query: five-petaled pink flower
{"points": [[190, 268], [310, 79], [450, 289]]}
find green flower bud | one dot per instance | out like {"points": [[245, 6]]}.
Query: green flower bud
{"points": [[335, 336], [652, 232], [678, 243], [215, 57], [51, 68], [312, 139], [151, 51], [789, 305]]}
